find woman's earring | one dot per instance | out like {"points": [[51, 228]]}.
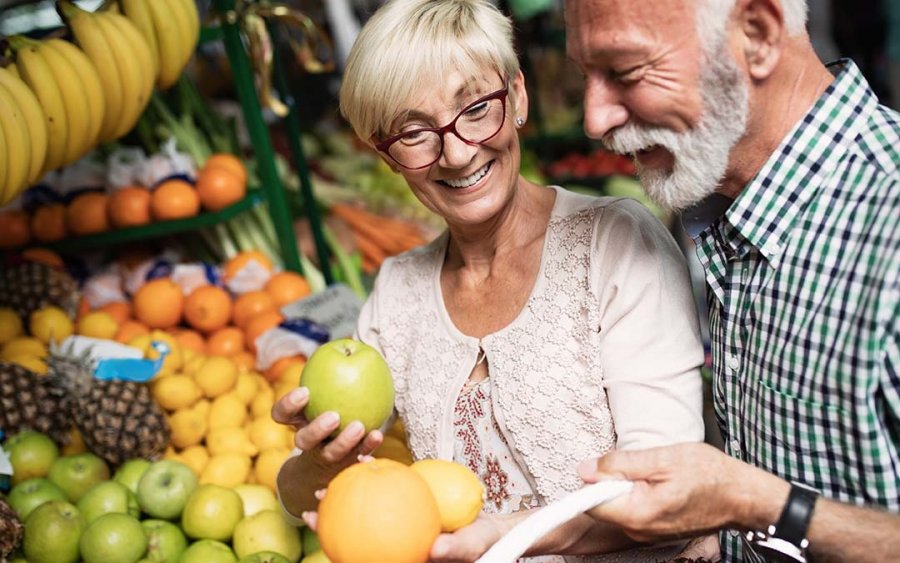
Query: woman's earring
{"points": [[520, 121]]}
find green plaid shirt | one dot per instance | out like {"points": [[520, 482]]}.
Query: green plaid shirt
{"points": [[804, 301]]}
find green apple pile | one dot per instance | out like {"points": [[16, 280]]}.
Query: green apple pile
{"points": [[75, 509]]}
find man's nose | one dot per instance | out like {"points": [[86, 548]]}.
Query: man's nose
{"points": [[603, 108]]}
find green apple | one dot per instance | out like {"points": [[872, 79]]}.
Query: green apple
{"points": [[267, 531], [256, 497], [31, 455], [165, 541], [211, 513], [317, 556], [30, 494], [107, 497], [208, 551], [52, 531], [351, 378], [130, 473], [77, 473], [113, 538], [265, 557], [165, 488], [310, 540]]}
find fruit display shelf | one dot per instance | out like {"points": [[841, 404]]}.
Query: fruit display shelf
{"points": [[154, 230]]}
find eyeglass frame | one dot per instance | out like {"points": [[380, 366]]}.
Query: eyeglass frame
{"points": [[500, 94]]}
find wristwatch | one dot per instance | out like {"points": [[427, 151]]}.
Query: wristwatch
{"points": [[786, 539]]}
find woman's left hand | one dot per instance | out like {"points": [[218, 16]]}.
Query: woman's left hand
{"points": [[470, 542]]}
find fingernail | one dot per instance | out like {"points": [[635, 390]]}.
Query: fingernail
{"points": [[355, 429], [331, 418], [299, 395]]}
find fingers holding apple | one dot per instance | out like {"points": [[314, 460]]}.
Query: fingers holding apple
{"points": [[288, 410]]}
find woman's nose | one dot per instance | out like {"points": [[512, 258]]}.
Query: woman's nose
{"points": [[457, 153]]}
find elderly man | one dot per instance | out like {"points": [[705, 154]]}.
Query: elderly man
{"points": [[787, 172]]}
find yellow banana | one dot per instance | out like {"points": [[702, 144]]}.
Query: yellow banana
{"points": [[37, 74], [34, 119], [75, 100], [18, 144], [6, 194], [90, 82], [190, 8], [133, 97], [171, 43], [95, 46], [183, 21], [144, 58], [139, 14]]}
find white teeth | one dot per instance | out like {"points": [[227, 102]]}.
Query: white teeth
{"points": [[469, 180]]}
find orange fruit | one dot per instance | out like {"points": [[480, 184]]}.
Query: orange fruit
{"points": [[258, 325], [228, 341], [245, 361], [287, 287], [44, 256], [129, 330], [14, 229], [48, 224], [251, 304], [120, 311], [218, 188], [190, 339], [174, 199], [159, 303], [399, 524], [229, 162], [86, 214], [207, 308], [278, 368], [129, 207], [234, 265]]}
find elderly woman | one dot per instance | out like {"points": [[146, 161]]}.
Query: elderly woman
{"points": [[541, 328]]}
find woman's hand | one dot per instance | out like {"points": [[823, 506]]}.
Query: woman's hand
{"points": [[470, 542], [322, 458]]}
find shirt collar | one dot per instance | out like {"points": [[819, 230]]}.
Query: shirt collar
{"points": [[767, 208]]}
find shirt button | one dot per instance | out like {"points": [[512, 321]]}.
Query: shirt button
{"points": [[772, 247], [733, 363], [733, 533], [736, 446]]}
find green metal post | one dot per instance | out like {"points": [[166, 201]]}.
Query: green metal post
{"points": [[259, 136], [293, 130]]}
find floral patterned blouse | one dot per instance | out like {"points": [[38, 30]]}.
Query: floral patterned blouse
{"points": [[479, 445]]}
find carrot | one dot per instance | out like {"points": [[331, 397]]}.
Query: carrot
{"points": [[370, 250], [377, 235]]}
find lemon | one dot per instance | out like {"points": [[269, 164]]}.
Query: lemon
{"points": [[230, 440], [265, 433], [195, 457], [191, 361], [176, 392], [246, 387], [267, 465], [50, 324], [227, 411], [187, 428], [29, 362], [202, 406], [226, 470], [10, 325], [23, 345], [282, 388], [98, 324], [216, 376], [458, 491], [395, 449], [173, 361], [261, 405]]}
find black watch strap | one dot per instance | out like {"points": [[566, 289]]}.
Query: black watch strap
{"points": [[793, 523]]}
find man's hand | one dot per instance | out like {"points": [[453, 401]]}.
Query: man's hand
{"points": [[684, 490]]}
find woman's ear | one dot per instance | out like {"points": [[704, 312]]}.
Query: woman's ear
{"points": [[762, 32], [519, 95]]}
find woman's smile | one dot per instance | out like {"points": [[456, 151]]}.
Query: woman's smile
{"points": [[471, 182]]}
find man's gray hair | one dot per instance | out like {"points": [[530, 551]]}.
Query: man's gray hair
{"points": [[712, 15]]}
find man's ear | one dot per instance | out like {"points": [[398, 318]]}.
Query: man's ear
{"points": [[761, 24]]}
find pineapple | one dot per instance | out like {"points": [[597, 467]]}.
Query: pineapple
{"points": [[28, 400], [11, 530], [30, 286], [118, 420]]}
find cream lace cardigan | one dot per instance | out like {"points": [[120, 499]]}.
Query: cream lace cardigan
{"points": [[606, 352]]}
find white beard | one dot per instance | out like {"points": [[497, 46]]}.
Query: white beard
{"points": [[701, 154]]}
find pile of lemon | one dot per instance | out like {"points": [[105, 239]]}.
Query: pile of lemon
{"points": [[219, 415]]}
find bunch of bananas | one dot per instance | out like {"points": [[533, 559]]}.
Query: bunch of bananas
{"points": [[23, 136], [171, 28]]}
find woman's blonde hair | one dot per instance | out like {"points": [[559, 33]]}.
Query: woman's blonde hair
{"points": [[408, 46]]}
